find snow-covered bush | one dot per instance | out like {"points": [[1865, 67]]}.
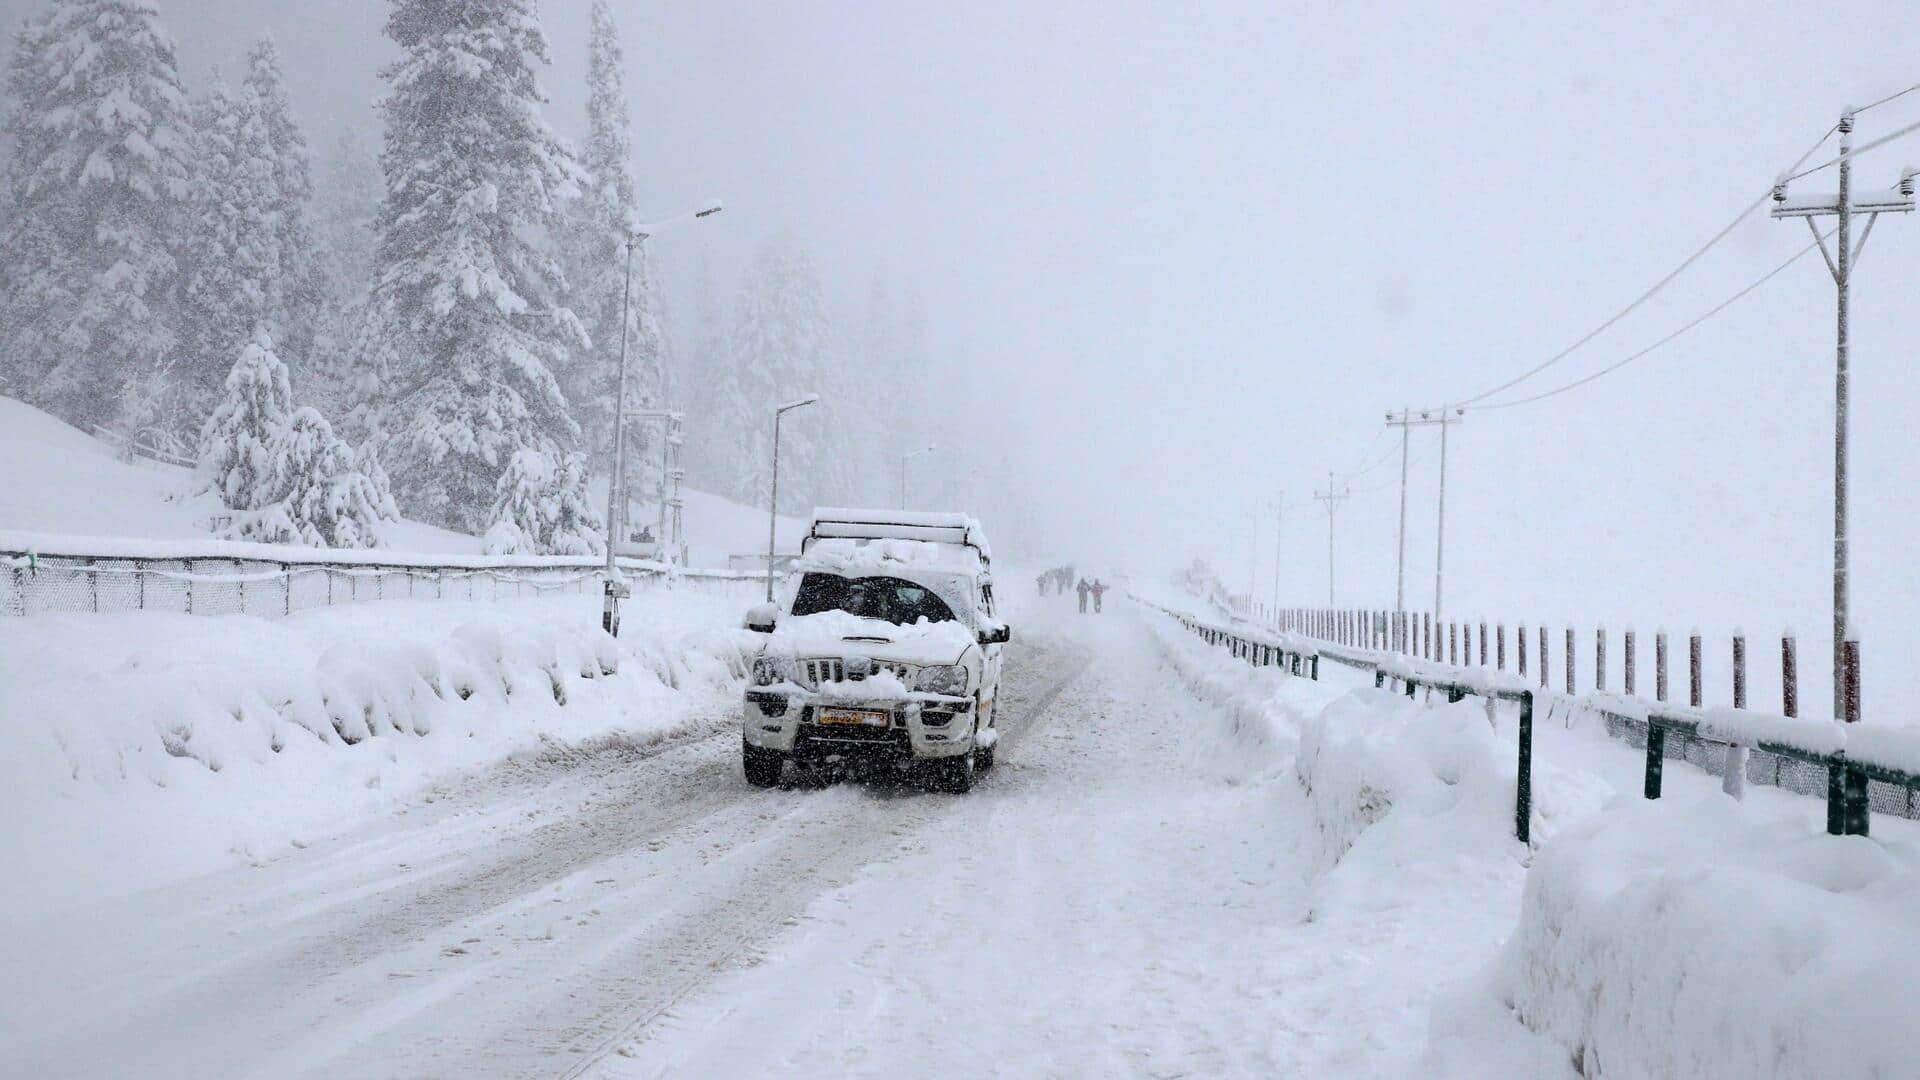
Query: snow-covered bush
{"points": [[541, 507]]}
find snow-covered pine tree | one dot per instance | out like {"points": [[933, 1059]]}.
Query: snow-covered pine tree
{"points": [[97, 179], [542, 508], [240, 441], [777, 348], [598, 224], [300, 293], [467, 325], [325, 498], [230, 259], [287, 476]]}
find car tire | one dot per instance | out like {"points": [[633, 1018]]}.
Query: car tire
{"points": [[761, 766], [982, 755], [952, 775]]}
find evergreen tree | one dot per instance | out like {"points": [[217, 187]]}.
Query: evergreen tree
{"points": [[778, 347], [96, 181], [346, 207], [289, 478], [603, 295], [240, 440], [466, 325], [231, 257], [542, 508], [298, 293]]}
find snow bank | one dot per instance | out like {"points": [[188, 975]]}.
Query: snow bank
{"points": [[1705, 939], [1419, 780], [138, 747], [1263, 705]]}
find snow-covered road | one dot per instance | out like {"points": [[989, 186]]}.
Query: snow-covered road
{"points": [[1130, 891]]}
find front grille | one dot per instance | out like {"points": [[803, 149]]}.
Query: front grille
{"points": [[834, 669]]}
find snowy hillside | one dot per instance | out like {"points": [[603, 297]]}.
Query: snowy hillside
{"points": [[64, 482]]}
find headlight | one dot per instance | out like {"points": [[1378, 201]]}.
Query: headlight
{"points": [[942, 679], [768, 670]]}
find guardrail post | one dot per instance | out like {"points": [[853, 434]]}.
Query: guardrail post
{"points": [[1316, 667], [1656, 756], [1626, 661], [1733, 770], [1695, 693], [1523, 785]]}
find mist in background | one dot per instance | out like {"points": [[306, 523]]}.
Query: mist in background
{"points": [[1178, 263]]}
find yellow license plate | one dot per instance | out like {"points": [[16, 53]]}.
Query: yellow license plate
{"points": [[855, 716]]}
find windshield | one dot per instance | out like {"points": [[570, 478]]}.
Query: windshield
{"points": [[887, 599]]}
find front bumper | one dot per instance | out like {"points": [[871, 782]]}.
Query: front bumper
{"points": [[926, 726]]}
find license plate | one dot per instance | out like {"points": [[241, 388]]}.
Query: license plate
{"points": [[855, 716]]}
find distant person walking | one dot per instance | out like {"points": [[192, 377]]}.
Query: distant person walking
{"points": [[1099, 590], [1083, 589]]}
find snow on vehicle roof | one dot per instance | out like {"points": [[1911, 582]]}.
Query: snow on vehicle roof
{"points": [[925, 525], [852, 555]]}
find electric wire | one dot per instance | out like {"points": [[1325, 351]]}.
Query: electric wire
{"points": [[1897, 133], [1896, 95], [1617, 365], [1744, 213]]}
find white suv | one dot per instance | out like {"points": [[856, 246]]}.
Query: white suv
{"points": [[883, 648]]}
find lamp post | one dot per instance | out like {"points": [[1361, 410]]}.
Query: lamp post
{"points": [[773, 499], [615, 588], [904, 458]]}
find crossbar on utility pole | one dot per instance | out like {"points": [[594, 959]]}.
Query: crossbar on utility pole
{"points": [[1406, 420], [1333, 498], [1840, 260]]}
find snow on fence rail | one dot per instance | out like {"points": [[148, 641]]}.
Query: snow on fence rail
{"points": [[230, 578], [1858, 768]]}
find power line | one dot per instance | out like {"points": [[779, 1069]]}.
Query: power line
{"points": [[1896, 95], [1883, 140], [1744, 213], [1617, 365]]}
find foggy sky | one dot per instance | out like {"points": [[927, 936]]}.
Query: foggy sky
{"points": [[1181, 258]]}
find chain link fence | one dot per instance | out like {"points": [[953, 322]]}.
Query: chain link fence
{"points": [[40, 583]]}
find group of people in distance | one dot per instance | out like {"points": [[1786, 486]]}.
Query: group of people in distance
{"points": [[1062, 578]]}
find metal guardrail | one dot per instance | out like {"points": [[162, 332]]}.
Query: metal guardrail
{"points": [[216, 578], [1848, 773]]}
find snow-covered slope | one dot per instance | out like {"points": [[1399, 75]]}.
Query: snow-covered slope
{"points": [[61, 481]]}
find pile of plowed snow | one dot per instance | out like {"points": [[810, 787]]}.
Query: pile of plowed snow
{"points": [[144, 745]]}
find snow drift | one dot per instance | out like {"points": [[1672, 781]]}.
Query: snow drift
{"points": [[142, 746], [1707, 939]]}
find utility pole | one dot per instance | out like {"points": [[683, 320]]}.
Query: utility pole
{"points": [[1279, 527], [1406, 420], [1333, 498], [1840, 262], [1440, 530]]}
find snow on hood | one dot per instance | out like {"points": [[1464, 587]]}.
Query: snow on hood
{"points": [[837, 633]]}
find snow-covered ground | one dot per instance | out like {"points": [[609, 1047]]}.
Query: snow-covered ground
{"points": [[62, 482], [1182, 865]]}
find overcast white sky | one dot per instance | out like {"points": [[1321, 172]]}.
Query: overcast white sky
{"points": [[1192, 253]]}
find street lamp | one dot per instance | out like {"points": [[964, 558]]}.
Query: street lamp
{"points": [[773, 500], [904, 458], [614, 588]]}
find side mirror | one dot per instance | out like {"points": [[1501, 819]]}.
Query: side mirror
{"points": [[999, 635], [761, 617]]}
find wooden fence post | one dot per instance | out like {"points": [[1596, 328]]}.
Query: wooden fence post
{"points": [[1543, 656], [1569, 652], [1520, 650], [1600, 658], [1483, 643], [1500, 647], [1789, 677], [1626, 661], [1695, 695]]}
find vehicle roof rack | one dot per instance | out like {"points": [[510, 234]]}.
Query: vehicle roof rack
{"points": [[932, 526]]}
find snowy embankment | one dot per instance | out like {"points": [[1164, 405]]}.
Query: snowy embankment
{"points": [[1706, 938], [143, 747]]}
